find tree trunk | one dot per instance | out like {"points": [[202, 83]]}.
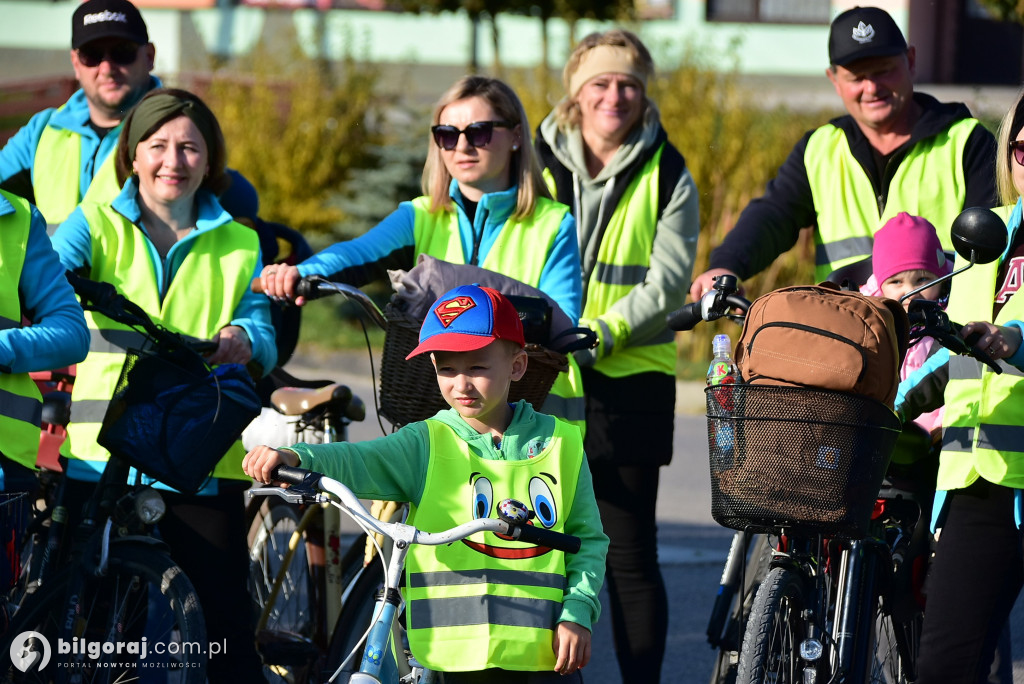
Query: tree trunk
{"points": [[499, 71], [474, 47]]}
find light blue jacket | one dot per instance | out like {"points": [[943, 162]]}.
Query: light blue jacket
{"points": [[19, 154], [58, 335], [391, 245]]}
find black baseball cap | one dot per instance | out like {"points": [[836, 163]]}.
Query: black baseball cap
{"points": [[96, 19], [864, 32]]}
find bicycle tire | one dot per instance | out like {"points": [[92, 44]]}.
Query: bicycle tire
{"points": [[353, 621], [895, 647], [726, 658], [118, 608], [776, 627]]}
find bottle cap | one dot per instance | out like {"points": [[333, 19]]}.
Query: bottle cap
{"points": [[721, 344]]}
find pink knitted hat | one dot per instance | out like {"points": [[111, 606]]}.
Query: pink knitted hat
{"points": [[907, 243]]}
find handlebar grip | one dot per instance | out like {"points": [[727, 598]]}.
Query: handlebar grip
{"points": [[685, 317], [290, 475], [543, 537]]}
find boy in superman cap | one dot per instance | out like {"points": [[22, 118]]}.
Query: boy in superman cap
{"points": [[494, 610]]}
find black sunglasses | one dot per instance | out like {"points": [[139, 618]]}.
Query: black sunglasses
{"points": [[1017, 148], [118, 53], [478, 134]]}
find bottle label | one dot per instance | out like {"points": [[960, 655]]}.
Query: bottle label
{"points": [[721, 373]]}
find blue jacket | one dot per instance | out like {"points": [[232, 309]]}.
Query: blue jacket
{"points": [[390, 245], [58, 336], [73, 242], [19, 154]]}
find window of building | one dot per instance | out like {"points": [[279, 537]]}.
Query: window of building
{"points": [[770, 11]]}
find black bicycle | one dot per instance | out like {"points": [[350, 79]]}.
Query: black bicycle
{"points": [[99, 598], [835, 600]]}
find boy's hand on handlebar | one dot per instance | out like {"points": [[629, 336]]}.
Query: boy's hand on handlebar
{"points": [[572, 647], [279, 281], [259, 463], [706, 280], [995, 340], [233, 346]]}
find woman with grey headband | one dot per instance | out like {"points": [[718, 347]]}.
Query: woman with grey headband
{"points": [[167, 244], [608, 157]]}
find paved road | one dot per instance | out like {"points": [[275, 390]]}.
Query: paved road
{"points": [[692, 546]]}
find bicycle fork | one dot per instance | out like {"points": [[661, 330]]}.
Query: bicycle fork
{"points": [[855, 610]]}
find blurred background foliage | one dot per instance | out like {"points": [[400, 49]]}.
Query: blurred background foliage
{"points": [[332, 151]]}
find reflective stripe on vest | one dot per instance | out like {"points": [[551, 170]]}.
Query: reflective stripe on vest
{"points": [[846, 204], [520, 251], [200, 300], [982, 433], [623, 259], [490, 602], [57, 172], [21, 405]]}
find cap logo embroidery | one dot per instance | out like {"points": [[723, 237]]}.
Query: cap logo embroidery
{"points": [[863, 33], [448, 311], [105, 15]]}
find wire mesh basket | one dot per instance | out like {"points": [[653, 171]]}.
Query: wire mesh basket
{"points": [[14, 517], [804, 460], [408, 389]]}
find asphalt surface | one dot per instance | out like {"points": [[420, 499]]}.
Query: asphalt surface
{"points": [[692, 547]]}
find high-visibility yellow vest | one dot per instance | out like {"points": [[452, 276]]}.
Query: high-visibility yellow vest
{"points": [[489, 602], [56, 174], [929, 182], [518, 252], [623, 259], [21, 405], [983, 423], [199, 301]]}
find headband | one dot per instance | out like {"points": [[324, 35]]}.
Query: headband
{"points": [[157, 109], [605, 59]]}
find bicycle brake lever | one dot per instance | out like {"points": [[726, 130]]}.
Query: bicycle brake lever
{"points": [[293, 495]]}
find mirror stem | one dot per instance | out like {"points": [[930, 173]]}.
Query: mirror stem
{"points": [[941, 279]]}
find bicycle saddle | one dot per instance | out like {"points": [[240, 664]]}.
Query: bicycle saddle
{"points": [[294, 401]]}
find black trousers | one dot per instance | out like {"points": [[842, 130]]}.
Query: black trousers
{"points": [[629, 436], [497, 676], [973, 583]]}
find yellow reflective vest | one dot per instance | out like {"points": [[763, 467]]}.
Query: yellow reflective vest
{"points": [[199, 301], [847, 209], [623, 259], [518, 252], [56, 170], [21, 405], [983, 423], [489, 602]]}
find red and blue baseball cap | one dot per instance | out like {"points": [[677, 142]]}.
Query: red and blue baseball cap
{"points": [[467, 318]]}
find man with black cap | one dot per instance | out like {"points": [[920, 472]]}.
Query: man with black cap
{"points": [[55, 158], [895, 150]]}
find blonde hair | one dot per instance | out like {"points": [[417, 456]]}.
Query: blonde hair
{"points": [[524, 170], [567, 112], [1012, 122]]}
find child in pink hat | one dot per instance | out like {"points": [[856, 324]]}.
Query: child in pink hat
{"points": [[906, 255]]}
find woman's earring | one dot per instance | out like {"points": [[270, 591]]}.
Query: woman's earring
{"points": [[515, 147]]}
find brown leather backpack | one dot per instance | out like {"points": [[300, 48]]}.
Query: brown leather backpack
{"points": [[823, 337]]}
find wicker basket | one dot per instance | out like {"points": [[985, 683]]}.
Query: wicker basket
{"points": [[408, 389], [804, 460]]}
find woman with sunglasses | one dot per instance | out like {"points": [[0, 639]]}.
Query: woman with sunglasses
{"points": [[978, 570], [167, 244], [635, 204], [484, 203]]}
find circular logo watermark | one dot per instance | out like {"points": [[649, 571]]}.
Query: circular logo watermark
{"points": [[30, 651]]}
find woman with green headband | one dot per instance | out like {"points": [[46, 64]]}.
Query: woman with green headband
{"points": [[167, 244], [607, 156]]}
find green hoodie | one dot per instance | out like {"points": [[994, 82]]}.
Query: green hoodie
{"points": [[394, 468]]}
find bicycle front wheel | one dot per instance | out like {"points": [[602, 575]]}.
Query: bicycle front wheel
{"points": [[727, 657], [896, 644], [142, 616], [771, 645]]}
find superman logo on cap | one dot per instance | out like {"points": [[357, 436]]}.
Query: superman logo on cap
{"points": [[449, 310]]}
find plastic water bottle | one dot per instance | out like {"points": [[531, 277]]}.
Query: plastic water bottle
{"points": [[723, 371]]}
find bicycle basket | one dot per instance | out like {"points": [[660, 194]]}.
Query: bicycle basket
{"points": [[408, 389], [173, 417], [809, 461]]}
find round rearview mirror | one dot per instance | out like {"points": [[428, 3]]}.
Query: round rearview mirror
{"points": [[979, 232]]}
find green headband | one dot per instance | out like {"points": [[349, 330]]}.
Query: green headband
{"points": [[164, 107]]}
